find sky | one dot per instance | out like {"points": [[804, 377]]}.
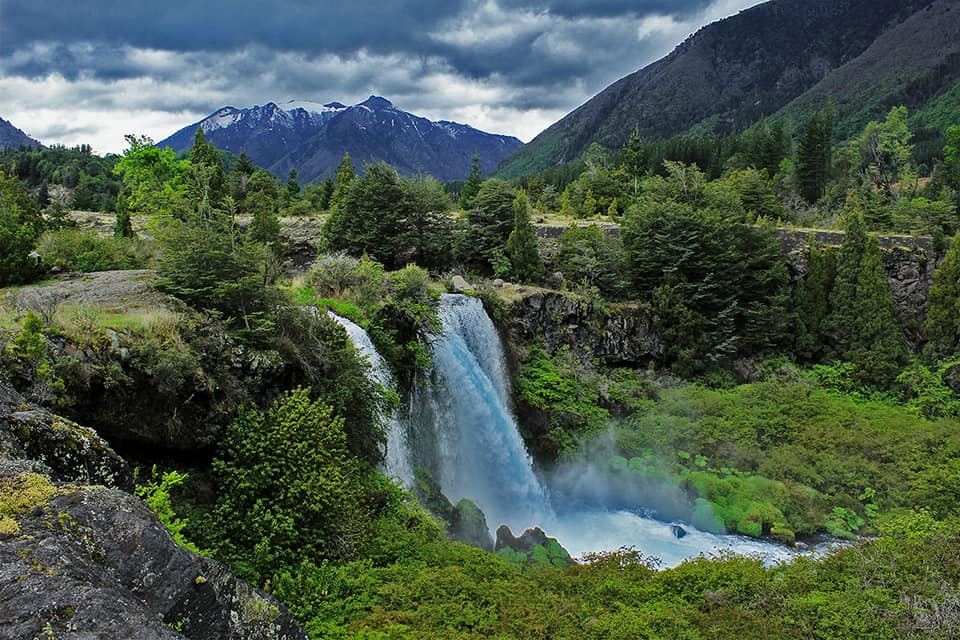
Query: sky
{"points": [[91, 71]]}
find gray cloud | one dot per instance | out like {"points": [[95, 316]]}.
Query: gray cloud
{"points": [[506, 65]]}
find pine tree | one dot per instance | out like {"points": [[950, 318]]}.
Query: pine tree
{"points": [[204, 154], [122, 228], [812, 303], [345, 176], [521, 248], [844, 294], [942, 327], [244, 165], [815, 155], [471, 187], [877, 345], [589, 203]]}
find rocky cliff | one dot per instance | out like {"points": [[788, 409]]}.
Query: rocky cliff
{"points": [[80, 560]]}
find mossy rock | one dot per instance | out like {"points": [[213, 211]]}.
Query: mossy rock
{"points": [[19, 495]]}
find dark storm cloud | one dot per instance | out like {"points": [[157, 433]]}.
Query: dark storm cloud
{"points": [[611, 8], [509, 66], [409, 27], [225, 24]]}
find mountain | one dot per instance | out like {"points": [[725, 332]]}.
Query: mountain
{"points": [[11, 137], [312, 139], [867, 54]]}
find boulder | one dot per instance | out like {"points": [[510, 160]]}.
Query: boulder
{"points": [[464, 522], [469, 526], [96, 563], [460, 285], [533, 547], [55, 446], [678, 531]]}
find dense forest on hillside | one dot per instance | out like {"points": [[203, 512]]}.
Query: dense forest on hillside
{"points": [[784, 404]]}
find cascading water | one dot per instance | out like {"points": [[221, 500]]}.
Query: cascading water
{"points": [[461, 429], [397, 460], [462, 410]]}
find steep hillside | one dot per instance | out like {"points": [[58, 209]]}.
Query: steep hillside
{"points": [[723, 78], [11, 137], [916, 63], [312, 139]]}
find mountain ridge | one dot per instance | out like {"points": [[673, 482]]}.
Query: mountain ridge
{"points": [[723, 78], [312, 138], [11, 137]]}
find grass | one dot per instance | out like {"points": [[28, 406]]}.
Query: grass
{"points": [[86, 323]]}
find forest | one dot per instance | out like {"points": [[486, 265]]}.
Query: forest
{"points": [[785, 403]]}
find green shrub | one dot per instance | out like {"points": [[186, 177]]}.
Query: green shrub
{"points": [[70, 250]]}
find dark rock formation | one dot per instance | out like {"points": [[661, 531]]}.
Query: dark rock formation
{"points": [[95, 562], [469, 526], [464, 522], [533, 547], [92, 562], [55, 446], [678, 531], [618, 333]]}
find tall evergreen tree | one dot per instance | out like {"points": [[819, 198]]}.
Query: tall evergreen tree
{"points": [[942, 327], [521, 248], [844, 294], [345, 175], [204, 154], [815, 155], [471, 187], [812, 303], [877, 345], [262, 202]]}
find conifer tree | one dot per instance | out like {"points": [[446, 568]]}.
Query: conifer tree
{"points": [[589, 203], [942, 327], [204, 154], [122, 228], [471, 187], [877, 346], [843, 296], [521, 248], [812, 303], [815, 155], [345, 175]]}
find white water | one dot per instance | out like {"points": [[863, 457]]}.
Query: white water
{"points": [[397, 459], [462, 430]]}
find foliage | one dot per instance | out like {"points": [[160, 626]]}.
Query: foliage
{"points": [[398, 309], [471, 187], [157, 496], [29, 360], [90, 177], [589, 257], [392, 219], [942, 327], [720, 281], [289, 489], [20, 224], [70, 250], [521, 247], [489, 224], [447, 590], [814, 155], [154, 181]]}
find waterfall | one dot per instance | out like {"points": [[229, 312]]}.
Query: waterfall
{"points": [[461, 429], [466, 433], [397, 460]]}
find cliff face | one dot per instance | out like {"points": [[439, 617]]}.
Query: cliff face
{"points": [[84, 561], [621, 334], [910, 264]]}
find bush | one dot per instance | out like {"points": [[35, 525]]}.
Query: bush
{"points": [[70, 250]]}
